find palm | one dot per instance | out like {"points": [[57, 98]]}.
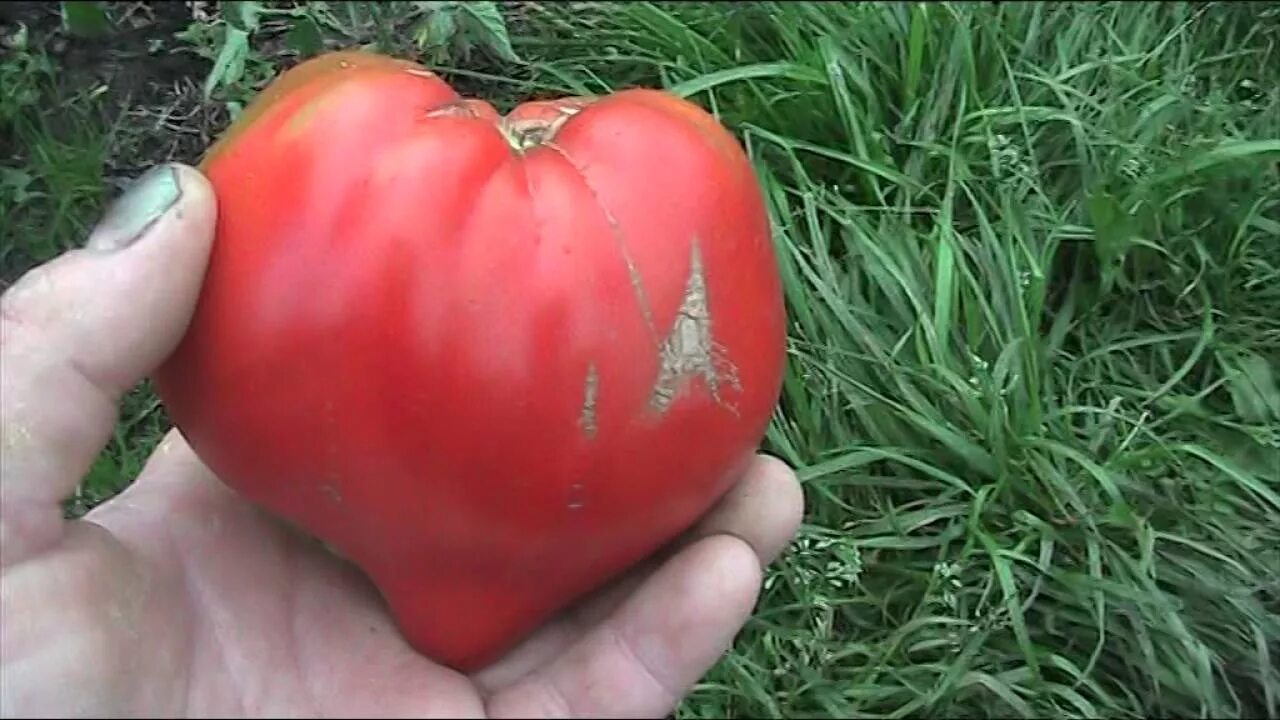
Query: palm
{"points": [[200, 601]]}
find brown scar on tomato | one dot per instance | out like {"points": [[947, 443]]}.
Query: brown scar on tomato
{"points": [[590, 393], [331, 493], [689, 350], [465, 108], [418, 72]]}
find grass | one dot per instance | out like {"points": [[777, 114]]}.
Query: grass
{"points": [[1032, 261]]}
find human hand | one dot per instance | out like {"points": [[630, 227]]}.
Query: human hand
{"points": [[180, 598]]}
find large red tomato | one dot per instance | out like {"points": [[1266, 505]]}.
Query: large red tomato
{"points": [[492, 361]]}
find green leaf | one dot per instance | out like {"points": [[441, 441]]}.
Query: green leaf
{"points": [[85, 19], [437, 32], [702, 83], [1252, 386], [229, 67], [1112, 234], [1234, 471], [16, 184], [1227, 153], [488, 20], [242, 14], [915, 52], [304, 37], [19, 40]]}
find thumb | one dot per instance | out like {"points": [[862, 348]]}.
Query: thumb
{"points": [[81, 330]]}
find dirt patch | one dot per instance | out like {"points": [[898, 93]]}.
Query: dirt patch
{"points": [[149, 80], [136, 60], [145, 85]]}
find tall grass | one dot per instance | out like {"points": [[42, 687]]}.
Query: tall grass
{"points": [[1032, 264]]}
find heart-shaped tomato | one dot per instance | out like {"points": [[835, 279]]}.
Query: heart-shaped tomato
{"points": [[493, 361]]}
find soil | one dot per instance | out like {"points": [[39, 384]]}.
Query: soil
{"points": [[119, 57], [151, 84], [153, 81]]}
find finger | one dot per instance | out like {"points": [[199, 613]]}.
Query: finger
{"points": [[643, 658], [81, 330], [564, 630], [763, 509]]}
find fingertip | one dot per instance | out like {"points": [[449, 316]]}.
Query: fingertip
{"points": [[786, 491], [188, 227], [764, 509], [191, 179], [730, 568], [643, 658], [82, 329], [688, 613], [200, 201]]}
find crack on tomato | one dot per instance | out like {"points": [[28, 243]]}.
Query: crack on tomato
{"points": [[467, 108], [633, 272], [590, 393], [576, 501], [455, 108], [420, 72], [689, 350]]}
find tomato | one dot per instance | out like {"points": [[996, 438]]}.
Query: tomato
{"points": [[492, 361]]}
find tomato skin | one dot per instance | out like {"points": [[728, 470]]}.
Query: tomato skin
{"points": [[444, 356]]}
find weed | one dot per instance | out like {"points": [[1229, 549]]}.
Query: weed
{"points": [[1030, 255]]}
